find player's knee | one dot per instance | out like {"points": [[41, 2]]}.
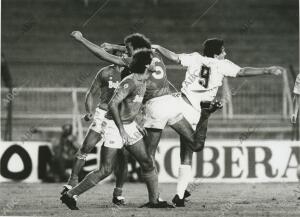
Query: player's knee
{"points": [[199, 145], [147, 164]]}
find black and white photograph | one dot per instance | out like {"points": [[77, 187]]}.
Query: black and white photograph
{"points": [[150, 108]]}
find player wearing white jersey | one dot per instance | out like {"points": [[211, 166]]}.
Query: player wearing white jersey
{"points": [[296, 100], [204, 75]]}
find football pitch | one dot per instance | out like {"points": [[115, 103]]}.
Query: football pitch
{"points": [[270, 199]]}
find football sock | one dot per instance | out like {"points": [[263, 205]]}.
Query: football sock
{"points": [[151, 180], [117, 192], [88, 182], [184, 177], [78, 164]]}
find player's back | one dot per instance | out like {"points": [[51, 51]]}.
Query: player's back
{"points": [[204, 76], [157, 84]]}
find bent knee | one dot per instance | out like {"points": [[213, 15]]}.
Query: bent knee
{"points": [[199, 146], [147, 165]]}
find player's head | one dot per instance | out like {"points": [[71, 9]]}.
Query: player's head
{"points": [[214, 48], [136, 41], [141, 60]]}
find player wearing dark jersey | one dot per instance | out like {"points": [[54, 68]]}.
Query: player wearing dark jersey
{"points": [[122, 130], [103, 85], [161, 107]]}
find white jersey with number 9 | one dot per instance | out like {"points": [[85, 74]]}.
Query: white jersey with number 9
{"points": [[204, 76]]}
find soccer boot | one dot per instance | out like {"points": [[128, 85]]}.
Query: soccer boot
{"points": [[118, 200], [186, 194], [181, 202], [159, 204], [211, 106], [69, 201], [66, 188]]}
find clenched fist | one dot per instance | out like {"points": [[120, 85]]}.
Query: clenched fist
{"points": [[275, 70], [77, 35]]}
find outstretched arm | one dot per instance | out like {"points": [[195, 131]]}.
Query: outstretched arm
{"points": [[249, 71], [167, 53], [110, 47], [97, 50]]}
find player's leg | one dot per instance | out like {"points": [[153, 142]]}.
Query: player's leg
{"points": [[138, 151], [120, 171], [93, 136], [151, 140], [207, 108], [185, 130], [107, 160], [149, 174], [90, 141], [184, 173]]}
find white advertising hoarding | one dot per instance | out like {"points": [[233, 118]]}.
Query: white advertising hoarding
{"points": [[220, 161]]}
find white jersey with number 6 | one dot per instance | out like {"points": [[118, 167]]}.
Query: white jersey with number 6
{"points": [[204, 76]]}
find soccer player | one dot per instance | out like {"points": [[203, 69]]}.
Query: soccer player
{"points": [[296, 100], [203, 77], [161, 106], [103, 85], [122, 130]]}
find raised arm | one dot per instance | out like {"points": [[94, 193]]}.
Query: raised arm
{"points": [[249, 71], [97, 50], [167, 53], [110, 47]]}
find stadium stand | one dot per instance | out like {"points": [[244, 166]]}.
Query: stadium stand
{"points": [[41, 54]]}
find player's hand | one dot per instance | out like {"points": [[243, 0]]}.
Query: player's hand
{"points": [[125, 137], [293, 118], [155, 47], [275, 70], [87, 117], [106, 46], [77, 35], [142, 130]]}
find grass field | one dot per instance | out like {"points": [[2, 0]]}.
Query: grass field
{"points": [[276, 199]]}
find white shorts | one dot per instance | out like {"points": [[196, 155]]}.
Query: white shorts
{"points": [[161, 111], [112, 135], [190, 113], [97, 124]]}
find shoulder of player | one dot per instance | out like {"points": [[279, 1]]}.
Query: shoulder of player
{"points": [[128, 82], [107, 70]]}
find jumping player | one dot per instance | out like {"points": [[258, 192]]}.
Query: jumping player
{"points": [[161, 106], [103, 85], [203, 77], [121, 130]]}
